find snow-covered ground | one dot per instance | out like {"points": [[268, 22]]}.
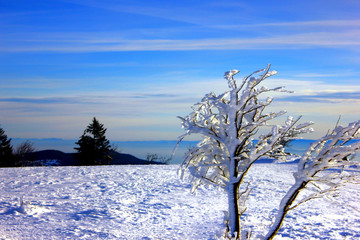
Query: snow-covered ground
{"points": [[150, 202]]}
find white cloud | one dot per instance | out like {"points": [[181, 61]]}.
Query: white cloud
{"points": [[345, 39], [150, 113], [320, 23], [298, 34]]}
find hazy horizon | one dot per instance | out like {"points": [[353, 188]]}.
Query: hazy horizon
{"points": [[139, 149]]}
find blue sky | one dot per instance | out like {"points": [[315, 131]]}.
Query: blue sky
{"points": [[136, 65]]}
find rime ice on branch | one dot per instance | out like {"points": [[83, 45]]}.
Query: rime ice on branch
{"points": [[228, 123], [321, 170]]}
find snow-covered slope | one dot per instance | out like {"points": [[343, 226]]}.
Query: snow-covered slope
{"points": [[150, 202]]}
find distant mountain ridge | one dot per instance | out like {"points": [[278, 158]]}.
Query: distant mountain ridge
{"points": [[59, 158]]}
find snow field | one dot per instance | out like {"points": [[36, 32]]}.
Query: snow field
{"points": [[150, 202], [106, 202]]}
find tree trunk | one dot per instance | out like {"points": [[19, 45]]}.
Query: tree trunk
{"points": [[234, 216]]}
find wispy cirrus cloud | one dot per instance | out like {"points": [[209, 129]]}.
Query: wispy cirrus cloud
{"points": [[193, 91], [327, 75], [195, 13], [307, 24], [160, 104], [49, 100], [346, 39], [306, 89], [198, 13], [325, 97]]}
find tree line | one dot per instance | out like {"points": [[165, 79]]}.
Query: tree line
{"points": [[93, 148], [10, 156]]}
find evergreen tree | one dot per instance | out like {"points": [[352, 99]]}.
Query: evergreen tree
{"points": [[94, 148], [6, 156]]}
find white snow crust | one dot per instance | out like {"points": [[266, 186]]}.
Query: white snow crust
{"points": [[151, 202]]}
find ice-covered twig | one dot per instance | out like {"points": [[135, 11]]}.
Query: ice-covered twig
{"points": [[331, 152]]}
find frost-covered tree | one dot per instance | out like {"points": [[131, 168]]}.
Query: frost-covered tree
{"points": [[229, 123], [94, 148], [321, 170]]}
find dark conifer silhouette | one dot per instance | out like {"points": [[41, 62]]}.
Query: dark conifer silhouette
{"points": [[6, 151], [94, 148]]}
